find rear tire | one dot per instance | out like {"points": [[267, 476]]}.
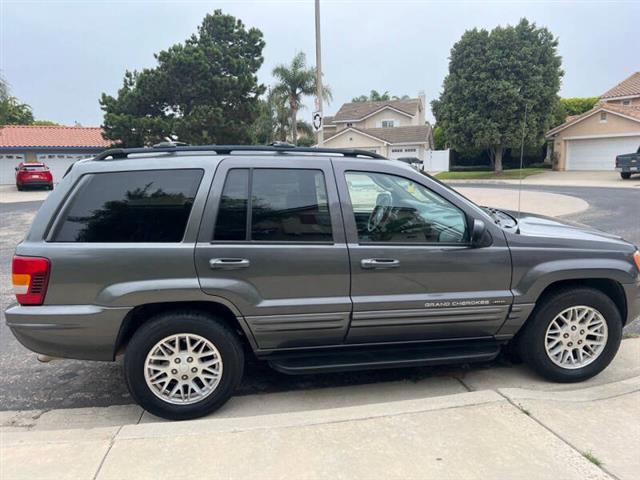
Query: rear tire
{"points": [[625, 175], [537, 342], [208, 339], [19, 187]]}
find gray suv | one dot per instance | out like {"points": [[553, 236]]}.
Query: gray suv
{"points": [[188, 259]]}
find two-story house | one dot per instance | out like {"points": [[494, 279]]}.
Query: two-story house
{"points": [[592, 141], [395, 128]]}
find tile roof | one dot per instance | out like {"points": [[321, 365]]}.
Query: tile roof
{"points": [[630, 86], [410, 134], [629, 111], [328, 121], [52, 136], [358, 110]]}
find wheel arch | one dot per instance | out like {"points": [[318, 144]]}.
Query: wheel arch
{"points": [[141, 314], [611, 288]]}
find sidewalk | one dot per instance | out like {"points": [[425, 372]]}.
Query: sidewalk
{"points": [[483, 423], [565, 179]]}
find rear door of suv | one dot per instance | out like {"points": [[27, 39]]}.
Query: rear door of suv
{"points": [[272, 243]]}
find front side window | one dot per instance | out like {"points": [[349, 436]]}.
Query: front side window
{"points": [[138, 206], [393, 209], [286, 205]]}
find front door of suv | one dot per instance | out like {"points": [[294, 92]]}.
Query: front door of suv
{"points": [[414, 273], [272, 243]]}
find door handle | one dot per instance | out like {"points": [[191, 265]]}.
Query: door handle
{"points": [[228, 263], [372, 263]]}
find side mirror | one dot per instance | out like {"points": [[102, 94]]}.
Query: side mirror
{"points": [[480, 237], [16, 169]]}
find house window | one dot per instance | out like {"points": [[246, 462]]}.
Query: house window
{"points": [[409, 149], [603, 117], [349, 124], [396, 150], [626, 102], [388, 123]]}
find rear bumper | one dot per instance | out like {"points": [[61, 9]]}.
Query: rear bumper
{"points": [[84, 332], [35, 183]]}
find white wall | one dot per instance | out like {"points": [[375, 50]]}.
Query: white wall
{"points": [[436, 161]]}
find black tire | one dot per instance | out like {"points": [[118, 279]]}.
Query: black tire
{"points": [[625, 175], [164, 325], [531, 342], [19, 187]]}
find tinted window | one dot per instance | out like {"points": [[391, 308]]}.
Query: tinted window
{"points": [[289, 205], [388, 208], [231, 223], [144, 206]]}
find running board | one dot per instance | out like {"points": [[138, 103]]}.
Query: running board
{"points": [[358, 358]]}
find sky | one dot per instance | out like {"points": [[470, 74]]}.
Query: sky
{"points": [[60, 55]]}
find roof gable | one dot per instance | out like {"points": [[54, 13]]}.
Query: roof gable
{"points": [[629, 87], [629, 112], [52, 136]]}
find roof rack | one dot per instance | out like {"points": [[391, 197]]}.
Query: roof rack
{"points": [[120, 153]]}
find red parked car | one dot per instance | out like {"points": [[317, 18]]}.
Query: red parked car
{"points": [[29, 174]]}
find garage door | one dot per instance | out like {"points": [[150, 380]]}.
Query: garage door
{"points": [[400, 152], [58, 163], [598, 153], [8, 164]]}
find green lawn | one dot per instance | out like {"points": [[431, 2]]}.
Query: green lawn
{"points": [[484, 174]]}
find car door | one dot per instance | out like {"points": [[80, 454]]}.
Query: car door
{"points": [[272, 243], [414, 273]]}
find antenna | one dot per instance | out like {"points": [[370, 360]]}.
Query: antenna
{"points": [[524, 127]]}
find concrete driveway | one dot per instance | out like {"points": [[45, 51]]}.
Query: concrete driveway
{"points": [[567, 179]]}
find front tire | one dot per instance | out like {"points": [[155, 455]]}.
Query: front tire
{"points": [[572, 335], [183, 365]]}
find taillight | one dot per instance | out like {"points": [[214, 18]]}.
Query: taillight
{"points": [[636, 258], [30, 276]]}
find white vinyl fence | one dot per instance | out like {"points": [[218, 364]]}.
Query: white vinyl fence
{"points": [[436, 161]]}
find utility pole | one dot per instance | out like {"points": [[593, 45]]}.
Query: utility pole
{"points": [[319, 73]]}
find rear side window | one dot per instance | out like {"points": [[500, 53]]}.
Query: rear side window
{"points": [[287, 205], [140, 206]]}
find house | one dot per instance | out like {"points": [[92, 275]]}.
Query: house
{"points": [[592, 141], [394, 128], [57, 146]]}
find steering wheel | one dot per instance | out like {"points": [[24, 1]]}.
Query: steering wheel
{"points": [[380, 213]]}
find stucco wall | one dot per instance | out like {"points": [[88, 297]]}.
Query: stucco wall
{"points": [[592, 127], [375, 121], [633, 101], [354, 140]]}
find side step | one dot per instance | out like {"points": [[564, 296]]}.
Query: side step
{"points": [[369, 358]]}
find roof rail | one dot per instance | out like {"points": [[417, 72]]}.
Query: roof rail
{"points": [[120, 153]]}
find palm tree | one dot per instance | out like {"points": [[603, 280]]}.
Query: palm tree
{"points": [[296, 81]]}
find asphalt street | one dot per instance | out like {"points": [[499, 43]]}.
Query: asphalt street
{"points": [[27, 384]]}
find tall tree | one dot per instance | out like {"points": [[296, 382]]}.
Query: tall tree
{"points": [[12, 111], [204, 90], [493, 76], [375, 96], [572, 106], [294, 82]]}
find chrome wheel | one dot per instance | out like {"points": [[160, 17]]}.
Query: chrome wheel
{"points": [[576, 337], [183, 369]]}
